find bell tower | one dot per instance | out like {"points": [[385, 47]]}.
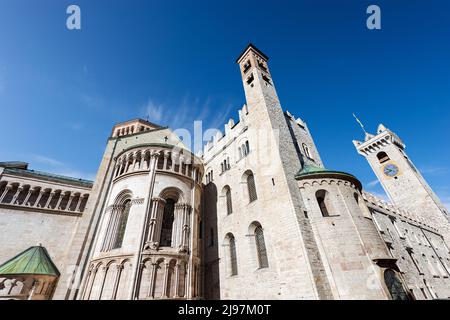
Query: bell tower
{"points": [[256, 77], [401, 180], [264, 108]]}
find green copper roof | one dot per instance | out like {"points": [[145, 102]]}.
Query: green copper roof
{"points": [[308, 168], [311, 171], [86, 183], [34, 260]]}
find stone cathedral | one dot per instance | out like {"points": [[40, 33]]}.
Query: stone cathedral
{"points": [[256, 215]]}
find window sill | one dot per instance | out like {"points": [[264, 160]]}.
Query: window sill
{"points": [[261, 269]]}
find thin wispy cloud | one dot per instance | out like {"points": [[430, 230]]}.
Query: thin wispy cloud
{"points": [[183, 114], [434, 170], [60, 168], [76, 126], [373, 183], [47, 161], [93, 101], [154, 112]]}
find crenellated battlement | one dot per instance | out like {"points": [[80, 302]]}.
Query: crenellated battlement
{"points": [[221, 139], [234, 129], [395, 211]]}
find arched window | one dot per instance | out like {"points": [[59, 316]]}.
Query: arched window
{"points": [[251, 187], [228, 200], [261, 248], [167, 224], [323, 200], [306, 150], [233, 255], [382, 157], [247, 148], [122, 224], [394, 286]]}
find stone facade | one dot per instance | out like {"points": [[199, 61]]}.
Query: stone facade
{"points": [[254, 216], [141, 172], [39, 208], [422, 255]]}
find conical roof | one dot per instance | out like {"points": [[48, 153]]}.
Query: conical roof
{"points": [[34, 260]]}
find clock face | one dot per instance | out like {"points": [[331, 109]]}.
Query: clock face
{"points": [[391, 170]]}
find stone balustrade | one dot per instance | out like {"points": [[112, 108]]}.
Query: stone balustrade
{"points": [[15, 194]]}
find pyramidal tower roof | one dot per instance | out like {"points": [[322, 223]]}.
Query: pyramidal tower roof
{"points": [[34, 260]]}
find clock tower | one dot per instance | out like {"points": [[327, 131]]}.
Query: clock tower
{"points": [[401, 180]]}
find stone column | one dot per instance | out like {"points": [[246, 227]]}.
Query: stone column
{"points": [[159, 221], [147, 205], [133, 165], [188, 281], [174, 162], [69, 202], [177, 279], [139, 279], [127, 165], [30, 191], [105, 272], [115, 217], [92, 284], [117, 281], [177, 223], [142, 163], [182, 160], [50, 197], [105, 244], [7, 189], [166, 156], [151, 289], [87, 284], [116, 170], [154, 231], [19, 190], [41, 193], [61, 196], [80, 200], [120, 167], [166, 278], [184, 247]]}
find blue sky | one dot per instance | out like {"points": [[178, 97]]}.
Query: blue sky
{"points": [[61, 91]]}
